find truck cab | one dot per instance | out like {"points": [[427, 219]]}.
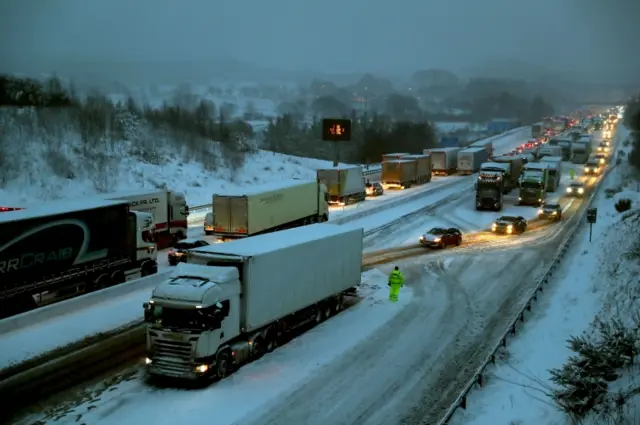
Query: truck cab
{"points": [[146, 252], [190, 318]]}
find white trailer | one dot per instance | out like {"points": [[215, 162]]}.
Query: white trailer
{"points": [[470, 159], [555, 171], [486, 144], [345, 185], [232, 303], [169, 210], [549, 150], [444, 161], [269, 208]]}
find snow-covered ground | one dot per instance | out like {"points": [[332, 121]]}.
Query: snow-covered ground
{"points": [[595, 279]]}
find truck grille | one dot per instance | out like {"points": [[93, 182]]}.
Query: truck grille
{"points": [[172, 357]]}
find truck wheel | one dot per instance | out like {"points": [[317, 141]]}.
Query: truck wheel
{"points": [[146, 270], [118, 277], [327, 311], [223, 364], [318, 317], [100, 282], [339, 304], [324, 218], [271, 342], [257, 348]]}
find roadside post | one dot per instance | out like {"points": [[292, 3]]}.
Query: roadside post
{"points": [[592, 217]]}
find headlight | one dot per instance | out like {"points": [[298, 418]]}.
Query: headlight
{"points": [[422, 238], [569, 190], [581, 190], [586, 170], [148, 361], [202, 368], [540, 211], [494, 226], [509, 229], [436, 240], [601, 161], [554, 213]]}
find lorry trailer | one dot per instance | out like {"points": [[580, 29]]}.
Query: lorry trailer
{"points": [[423, 167], [50, 252], [470, 159], [549, 150], [486, 144], [554, 164], [515, 165], [169, 210], [232, 303], [392, 156], [444, 161], [399, 173], [344, 184], [269, 208]]}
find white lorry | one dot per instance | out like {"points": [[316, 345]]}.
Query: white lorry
{"points": [[548, 150], [486, 144], [169, 210], [268, 208], [555, 171], [232, 303], [345, 184], [444, 161]]}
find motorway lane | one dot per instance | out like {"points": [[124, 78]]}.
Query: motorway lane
{"points": [[414, 366]]}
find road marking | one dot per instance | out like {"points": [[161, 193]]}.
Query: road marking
{"points": [[566, 207]]}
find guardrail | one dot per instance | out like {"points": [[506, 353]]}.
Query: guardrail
{"points": [[478, 377]]}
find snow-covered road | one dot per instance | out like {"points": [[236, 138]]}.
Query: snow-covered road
{"points": [[411, 370]]}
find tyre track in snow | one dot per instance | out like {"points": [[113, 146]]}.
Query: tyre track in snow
{"points": [[454, 372], [353, 388]]}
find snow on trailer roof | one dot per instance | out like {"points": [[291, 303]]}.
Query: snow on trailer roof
{"points": [[551, 159], [400, 161], [132, 192], [417, 155], [450, 149], [269, 187], [57, 208], [260, 244], [473, 149], [339, 167], [192, 282], [536, 166]]}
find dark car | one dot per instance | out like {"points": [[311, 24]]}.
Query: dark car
{"points": [[441, 238], [374, 189], [576, 189], [550, 211], [509, 225], [178, 253]]}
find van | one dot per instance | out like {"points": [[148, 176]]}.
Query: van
{"points": [[208, 223]]}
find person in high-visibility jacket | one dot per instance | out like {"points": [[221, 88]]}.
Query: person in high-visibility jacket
{"points": [[396, 281]]}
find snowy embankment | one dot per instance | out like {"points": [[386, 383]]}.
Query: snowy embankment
{"points": [[598, 281]]}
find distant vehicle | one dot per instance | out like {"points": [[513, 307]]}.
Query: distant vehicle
{"points": [[550, 211], [509, 225], [374, 189], [592, 167], [576, 189], [603, 147], [178, 254], [441, 238], [7, 209]]}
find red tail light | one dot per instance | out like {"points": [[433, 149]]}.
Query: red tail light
{"points": [[170, 251]]}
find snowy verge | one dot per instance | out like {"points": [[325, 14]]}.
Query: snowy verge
{"points": [[254, 386]]}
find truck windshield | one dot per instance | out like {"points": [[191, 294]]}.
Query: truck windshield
{"points": [[528, 184], [179, 318]]}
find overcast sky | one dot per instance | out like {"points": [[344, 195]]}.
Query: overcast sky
{"points": [[589, 36]]}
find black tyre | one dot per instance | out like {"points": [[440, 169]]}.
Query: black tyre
{"points": [[223, 364]]}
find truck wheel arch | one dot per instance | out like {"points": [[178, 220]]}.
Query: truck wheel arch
{"points": [[118, 277]]}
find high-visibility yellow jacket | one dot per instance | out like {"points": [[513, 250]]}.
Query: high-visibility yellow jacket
{"points": [[396, 278]]}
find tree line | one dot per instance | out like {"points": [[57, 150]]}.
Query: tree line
{"points": [[631, 119]]}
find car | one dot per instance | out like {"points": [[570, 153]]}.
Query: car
{"points": [[603, 148], [374, 189], [592, 167], [441, 238], [550, 211], [509, 224], [177, 253], [601, 158], [576, 189]]}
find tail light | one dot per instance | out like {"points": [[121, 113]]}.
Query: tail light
{"points": [[171, 252]]}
